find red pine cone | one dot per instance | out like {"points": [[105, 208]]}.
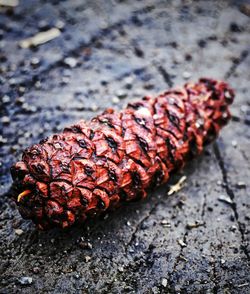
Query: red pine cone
{"points": [[118, 156]]}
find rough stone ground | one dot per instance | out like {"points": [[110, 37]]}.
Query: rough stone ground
{"points": [[190, 242]]}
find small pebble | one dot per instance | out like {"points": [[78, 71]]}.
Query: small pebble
{"points": [[196, 224], [225, 199], [20, 100], [87, 258], [128, 223], [121, 94], [89, 245], [241, 185], [222, 261], [115, 100], [94, 107], [60, 24], [234, 143], [181, 243], [85, 245], [2, 140], [35, 61], [155, 290], [5, 120], [77, 276], [13, 81], [129, 82], [29, 108], [65, 80], [233, 228], [120, 269], [70, 61], [186, 75], [19, 232], [32, 108], [244, 108], [6, 99], [219, 183], [178, 58], [165, 223], [25, 280], [21, 89], [36, 270], [14, 148], [27, 135], [164, 282], [43, 25]]}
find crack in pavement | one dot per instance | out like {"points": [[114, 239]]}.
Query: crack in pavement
{"points": [[204, 205], [166, 76], [138, 226], [231, 195], [237, 119], [179, 257], [245, 155], [236, 63], [214, 276]]}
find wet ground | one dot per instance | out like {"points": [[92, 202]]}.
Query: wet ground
{"points": [[108, 53]]}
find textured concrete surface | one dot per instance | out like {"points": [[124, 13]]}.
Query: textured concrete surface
{"points": [[195, 241]]}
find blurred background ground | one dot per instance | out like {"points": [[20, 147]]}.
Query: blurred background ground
{"points": [[106, 54]]}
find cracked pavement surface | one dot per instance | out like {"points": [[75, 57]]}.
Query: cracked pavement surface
{"points": [[189, 242]]}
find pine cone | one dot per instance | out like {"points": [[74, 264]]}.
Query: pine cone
{"points": [[117, 157]]}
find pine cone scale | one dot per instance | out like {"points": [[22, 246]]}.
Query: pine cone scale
{"points": [[94, 166]]}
